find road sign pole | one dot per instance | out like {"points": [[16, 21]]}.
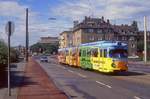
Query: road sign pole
{"points": [[9, 34], [9, 30]]}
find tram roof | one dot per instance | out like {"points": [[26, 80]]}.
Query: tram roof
{"points": [[105, 44]]}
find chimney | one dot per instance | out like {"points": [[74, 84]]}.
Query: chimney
{"points": [[102, 18], [75, 22], [108, 21], [86, 17]]}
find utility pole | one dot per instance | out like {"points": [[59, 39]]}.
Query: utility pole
{"points": [[145, 39], [27, 36]]}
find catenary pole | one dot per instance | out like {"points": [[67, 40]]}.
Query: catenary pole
{"points": [[145, 39], [27, 36]]}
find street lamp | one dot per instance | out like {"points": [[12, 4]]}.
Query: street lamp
{"points": [[52, 18]]}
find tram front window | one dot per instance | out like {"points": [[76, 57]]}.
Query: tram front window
{"points": [[118, 53]]}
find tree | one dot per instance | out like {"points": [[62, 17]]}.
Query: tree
{"points": [[140, 48], [44, 48], [3, 53]]}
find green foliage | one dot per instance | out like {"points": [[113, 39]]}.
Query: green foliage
{"points": [[140, 46], [14, 55], [3, 53], [44, 48]]}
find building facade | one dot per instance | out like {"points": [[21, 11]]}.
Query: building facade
{"points": [[92, 29], [97, 29], [65, 39]]}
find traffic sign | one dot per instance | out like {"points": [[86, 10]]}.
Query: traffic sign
{"points": [[10, 28]]}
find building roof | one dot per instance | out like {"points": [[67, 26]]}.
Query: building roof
{"points": [[89, 22], [65, 32]]}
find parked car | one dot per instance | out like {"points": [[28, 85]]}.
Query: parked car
{"points": [[43, 59]]}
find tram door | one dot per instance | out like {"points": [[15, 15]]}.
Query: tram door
{"points": [[106, 60], [101, 60], [83, 57], [95, 58]]}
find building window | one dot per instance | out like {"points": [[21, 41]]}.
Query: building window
{"points": [[100, 38], [124, 38], [91, 38], [90, 30], [132, 45], [131, 38], [99, 31], [105, 52]]}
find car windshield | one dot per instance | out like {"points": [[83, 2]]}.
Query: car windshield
{"points": [[118, 53], [44, 57]]}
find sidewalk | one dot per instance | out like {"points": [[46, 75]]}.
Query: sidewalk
{"points": [[139, 63], [17, 71], [36, 84]]}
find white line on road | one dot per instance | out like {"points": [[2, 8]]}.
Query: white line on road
{"points": [[103, 84], [135, 97], [64, 67], [81, 75], [70, 71]]}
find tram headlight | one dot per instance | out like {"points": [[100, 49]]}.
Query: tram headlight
{"points": [[113, 65]]}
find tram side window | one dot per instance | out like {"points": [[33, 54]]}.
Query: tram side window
{"points": [[105, 52], [101, 53], [95, 52], [73, 52], [67, 52], [88, 52], [80, 52], [84, 53]]}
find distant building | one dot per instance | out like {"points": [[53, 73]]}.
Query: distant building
{"points": [[140, 36], [21, 50], [49, 40], [65, 39]]}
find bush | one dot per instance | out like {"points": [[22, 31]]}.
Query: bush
{"points": [[3, 53]]}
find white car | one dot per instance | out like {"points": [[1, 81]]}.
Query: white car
{"points": [[44, 59]]}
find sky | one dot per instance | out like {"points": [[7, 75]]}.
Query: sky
{"points": [[65, 12]]}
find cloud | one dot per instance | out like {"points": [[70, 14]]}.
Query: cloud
{"points": [[66, 12], [14, 11], [113, 9]]}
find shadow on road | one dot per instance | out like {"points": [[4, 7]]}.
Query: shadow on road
{"points": [[17, 79], [128, 73]]}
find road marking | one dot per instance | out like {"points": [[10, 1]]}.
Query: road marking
{"points": [[64, 67], [81, 75], [70, 71], [103, 84], [135, 97]]}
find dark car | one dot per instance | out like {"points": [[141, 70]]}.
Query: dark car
{"points": [[44, 59]]}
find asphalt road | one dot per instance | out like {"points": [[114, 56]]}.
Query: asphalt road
{"points": [[82, 84]]}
